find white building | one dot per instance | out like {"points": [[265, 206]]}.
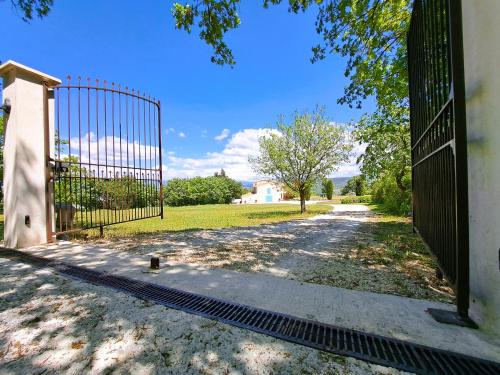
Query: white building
{"points": [[265, 191]]}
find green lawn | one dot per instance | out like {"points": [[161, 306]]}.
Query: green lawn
{"points": [[196, 217], [210, 217]]}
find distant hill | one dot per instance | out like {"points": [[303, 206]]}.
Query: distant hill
{"points": [[339, 183]]}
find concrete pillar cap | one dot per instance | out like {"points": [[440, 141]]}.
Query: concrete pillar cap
{"points": [[10, 65]]}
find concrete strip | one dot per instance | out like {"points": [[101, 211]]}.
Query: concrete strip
{"points": [[387, 315]]}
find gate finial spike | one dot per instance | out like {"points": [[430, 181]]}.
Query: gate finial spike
{"points": [[68, 78]]}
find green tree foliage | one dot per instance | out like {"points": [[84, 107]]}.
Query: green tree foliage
{"points": [[327, 188], [387, 136], [387, 159], [386, 192], [214, 18], [201, 190], [356, 185], [300, 153], [78, 187], [31, 8], [75, 186], [127, 192]]}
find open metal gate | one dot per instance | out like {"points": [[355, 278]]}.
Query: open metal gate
{"points": [[438, 132], [105, 156]]}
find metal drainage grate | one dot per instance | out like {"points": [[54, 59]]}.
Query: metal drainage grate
{"points": [[368, 347]]}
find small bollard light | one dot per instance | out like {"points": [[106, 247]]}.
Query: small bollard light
{"points": [[155, 263]]}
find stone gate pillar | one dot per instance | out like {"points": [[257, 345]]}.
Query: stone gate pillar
{"points": [[481, 26], [29, 135]]}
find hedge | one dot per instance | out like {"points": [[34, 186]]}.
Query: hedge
{"points": [[349, 199], [201, 190]]}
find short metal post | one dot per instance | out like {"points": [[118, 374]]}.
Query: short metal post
{"points": [[155, 263]]}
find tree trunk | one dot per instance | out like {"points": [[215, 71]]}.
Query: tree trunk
{"points": [[302, 201]]}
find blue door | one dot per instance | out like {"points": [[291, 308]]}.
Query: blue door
{"points": [[269, 196]]}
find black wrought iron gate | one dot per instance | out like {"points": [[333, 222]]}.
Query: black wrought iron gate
{"points": [[438, 131], [105, 156]]}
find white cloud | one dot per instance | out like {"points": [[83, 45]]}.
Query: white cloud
{"points": [[352, 168], [182, 135], [223, 135], [126, 157], [234, 159]]}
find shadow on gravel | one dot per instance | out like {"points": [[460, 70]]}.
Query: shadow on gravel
{"points": [[347, 249], [49, 324]]}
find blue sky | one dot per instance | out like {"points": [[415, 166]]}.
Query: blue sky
{"points": [[214, 113]]}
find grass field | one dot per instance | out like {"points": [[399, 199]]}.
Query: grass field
{"points": [[210, 217]]}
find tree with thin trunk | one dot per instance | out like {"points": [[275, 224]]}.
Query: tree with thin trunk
{"points": [[327, 188], [303, 151]]}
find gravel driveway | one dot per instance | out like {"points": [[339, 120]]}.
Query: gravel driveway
{"points": [[322, 250], [50, 324], [284, 249]]}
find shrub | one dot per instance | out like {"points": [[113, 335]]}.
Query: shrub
{"points": [[327, 188], [355, 185], [201, 190], [350, 199], [386, 192]]}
